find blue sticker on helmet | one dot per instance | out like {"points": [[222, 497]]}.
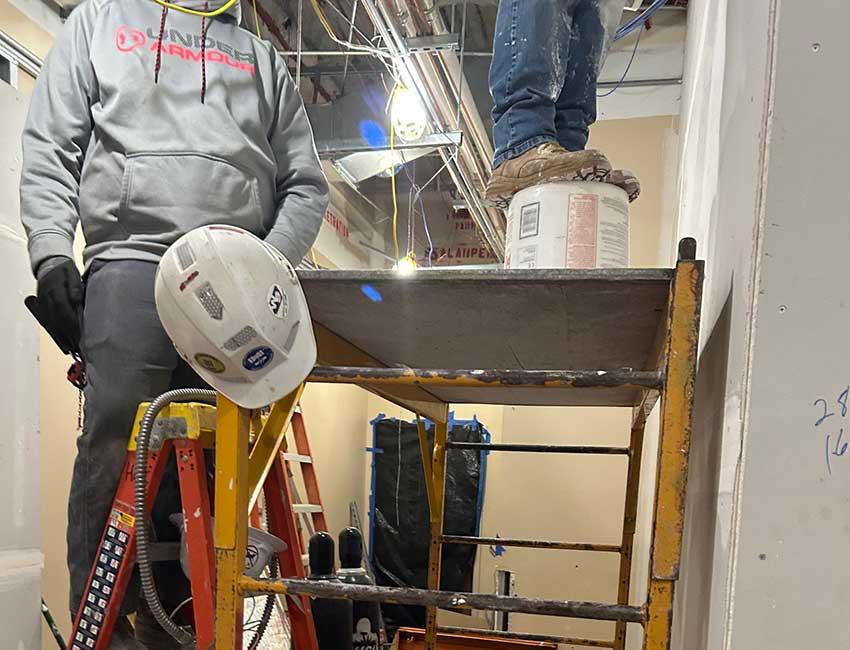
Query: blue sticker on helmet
{"points": [[258, 358]]}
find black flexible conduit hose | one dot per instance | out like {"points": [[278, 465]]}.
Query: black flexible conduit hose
{"points": [[181, 635]]}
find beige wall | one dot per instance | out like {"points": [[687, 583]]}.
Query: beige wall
{"points": [[23, 30], [334, 416], [644, 146]]}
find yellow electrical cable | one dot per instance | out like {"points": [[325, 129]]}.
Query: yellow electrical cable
{"points": [[395, 194], [257, 21], [323, 19], [392, 171], [316, 8], [207, 14]]}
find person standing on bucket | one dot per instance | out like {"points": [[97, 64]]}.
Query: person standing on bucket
{"points": [[547, 56], [147, 122]]}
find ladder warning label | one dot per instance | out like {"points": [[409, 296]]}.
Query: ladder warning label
{"points": [[124, 519]]}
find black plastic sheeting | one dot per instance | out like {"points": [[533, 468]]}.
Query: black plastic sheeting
{"points": [[402, 528]]}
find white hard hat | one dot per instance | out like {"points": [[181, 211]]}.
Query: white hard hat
{"points": [[234, 309]]}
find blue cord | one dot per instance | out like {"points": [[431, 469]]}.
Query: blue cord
{"points": [[639, 21], [628, 67]]}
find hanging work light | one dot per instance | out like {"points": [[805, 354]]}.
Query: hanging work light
{"points": [[407, 114]]}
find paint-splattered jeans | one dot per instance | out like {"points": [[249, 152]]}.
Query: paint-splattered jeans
{"points": [[547, 55], [129, 359]]}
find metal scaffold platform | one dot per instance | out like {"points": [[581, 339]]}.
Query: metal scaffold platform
{"points": [[617, 338]]}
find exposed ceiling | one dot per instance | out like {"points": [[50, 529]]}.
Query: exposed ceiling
{"points": [[345, 89], [347, 93]]}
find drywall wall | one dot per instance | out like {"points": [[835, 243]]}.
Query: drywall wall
{"points": [[724, 113], [766, 522], [20, 554], [791, 578]]}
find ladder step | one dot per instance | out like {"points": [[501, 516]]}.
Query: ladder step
{"points": [[544, 449], [298, 458], [528, 543], [301, 508]]}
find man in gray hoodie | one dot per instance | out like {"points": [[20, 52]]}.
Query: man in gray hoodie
{"points": [[145, 123]]}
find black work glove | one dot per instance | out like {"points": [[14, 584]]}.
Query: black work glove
{"points": [[60, 301]]}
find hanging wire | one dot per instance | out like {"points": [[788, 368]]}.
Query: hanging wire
{"points": [[628, 67], [195, 12], [298, 58], [323, 19], [392, 178], [427, 234], [398, 481], [350, 36], [257, 21], [640, 20], [350, 21], [460, 77], [180, 606], [416, 197]]}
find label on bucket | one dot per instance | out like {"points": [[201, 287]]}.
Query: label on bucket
{"points": [[583, 221], [581, 225], [613, 241]]}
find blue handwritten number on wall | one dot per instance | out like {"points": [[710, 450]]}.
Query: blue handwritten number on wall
{"points": [[842, 400], [826, 412], [834, 444]]}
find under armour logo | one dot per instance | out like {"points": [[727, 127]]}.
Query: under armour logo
{"points": [[128, 39]]}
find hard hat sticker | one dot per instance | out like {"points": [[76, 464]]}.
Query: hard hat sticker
{"points": [[185, 283], [258, 358], [278, 303], [209, 362]]}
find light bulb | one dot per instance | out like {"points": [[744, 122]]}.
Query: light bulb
{"points": [[406, 265], [408, 114]]}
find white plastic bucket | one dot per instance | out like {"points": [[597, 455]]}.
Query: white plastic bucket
{"points": [[580, 225]]}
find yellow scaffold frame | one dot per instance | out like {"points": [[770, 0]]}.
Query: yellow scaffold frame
{"points": [[240, 468]]}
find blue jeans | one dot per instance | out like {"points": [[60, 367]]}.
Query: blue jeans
{"points": [[547, 55]]}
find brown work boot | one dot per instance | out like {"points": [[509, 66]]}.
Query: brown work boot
{"points": [[626, 180], [548, 163]]}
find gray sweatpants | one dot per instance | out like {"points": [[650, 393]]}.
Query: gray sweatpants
{"points": [[129, 360]]}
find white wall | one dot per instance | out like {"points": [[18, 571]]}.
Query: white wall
{"points": [[760, 186], [723, 115], [790, 578], [20, 555]]}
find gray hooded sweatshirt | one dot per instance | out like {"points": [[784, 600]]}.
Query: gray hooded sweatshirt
{"points": [[142, 145]]}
